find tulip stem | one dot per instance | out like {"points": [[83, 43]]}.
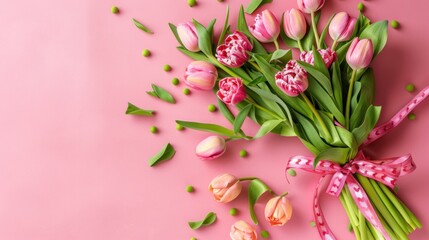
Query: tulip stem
{"points": [[219, 65], [255, 65], [334, 44], [284, 194], [300, 45], [318, 117], [249, 100], [276, 43], [316, 35], [247, 179], [349, 98]]}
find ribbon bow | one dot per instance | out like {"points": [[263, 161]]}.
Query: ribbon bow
{"points": [[386, 171]]}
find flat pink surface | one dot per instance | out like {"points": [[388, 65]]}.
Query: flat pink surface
{"points": [[74, 166]]}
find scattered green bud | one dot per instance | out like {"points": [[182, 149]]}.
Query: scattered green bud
{"points": [[243, 153], [192, 3], [175, 81], [190, 189], [167, 68], [115, 10], [410, 87], [361, 7], [233, 211], [411, 116], [212, 108], [179, 127], [291, 172], [186, 91], [394, 24], [146, 53], [153, 129], [312, 224], [265, 234]]}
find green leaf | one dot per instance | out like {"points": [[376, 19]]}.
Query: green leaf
{"points": [[337, 85], [257, 81], [319, 64], [308, 40], [255, 4], [198, 56], [348, 138], [210, 28], [207, 127], [371, 118], [176, 35], [165, 154], [338, 155], [152, 93], [142, 27], [204, 38], [225, 27], [225, 111], [377, 32], [162, 94], [208, 220], [255, 190], [309, 132], [321, 78], [366, 98], [134, 110], [243, 27], [267, 127], [342, 51], [283, 55], [239, 120]]}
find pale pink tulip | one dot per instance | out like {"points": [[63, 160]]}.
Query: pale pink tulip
{"points": [[292, 79], [266, 28], [241, 230], [278, 211], [225, 188], [231, 90], [211, 147], [189, 36], [327, 55], [294, 24], [341, 27], [359, 54], [201, 75], [310, 6], [233, 53]]}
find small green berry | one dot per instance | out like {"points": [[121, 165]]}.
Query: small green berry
{"points": [[411, 116], [175, 81], [291, 172], [186, 91], [192, 3], [153, 129], [212, 108], [265, 234], [190, 189], [115, 10], [361, 7], [410, 87], [179, 127], [312, 224], [243, 153], [233, 211], [394, 24], [146, 53], [167, 68]]}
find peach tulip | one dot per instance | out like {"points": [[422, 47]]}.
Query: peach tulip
{"points": [[225, 188]]}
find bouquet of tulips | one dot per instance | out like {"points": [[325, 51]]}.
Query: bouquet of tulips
{"points": [[324, 97]]}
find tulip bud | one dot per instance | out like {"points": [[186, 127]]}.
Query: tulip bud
{"points": [[341, 27], [231, 90], [359, 54], [327, 55], [266, 28], [233, 53], [225, 188], [189, 36], [292, 79], [201, 75], [278, 211], [241, 230], [310, 6], [211, 147], [294, 24]]}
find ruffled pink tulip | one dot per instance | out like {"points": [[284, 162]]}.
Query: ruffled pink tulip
{"points": [[231, 90], [241, 230], [359, 54], [278, 211], [294, 24], [189, 36], [233, 53], [341, 27], [210, 148], [328, 56], [266, 28], [201, 75], [310, 6], [225, 188], [292, 79]]}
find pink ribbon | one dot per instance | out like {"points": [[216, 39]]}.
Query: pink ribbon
{"points": [[386, 171]]}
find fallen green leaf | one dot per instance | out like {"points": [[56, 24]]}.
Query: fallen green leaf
{"points": [[142, 27], [165, 154], [134, 110], [208, 220]]}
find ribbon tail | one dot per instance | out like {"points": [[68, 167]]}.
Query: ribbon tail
{"points": [[363, 203], [321, 224], [384, 128]]}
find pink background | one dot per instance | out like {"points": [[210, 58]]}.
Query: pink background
{"points": [[74, 166]]}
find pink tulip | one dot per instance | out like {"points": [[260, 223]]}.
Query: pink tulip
{"points": [[341, 27], [211, 148], [266, 28], [359, 54], [200, 75], [294, 24], [310, 6], [328, 57], [225, 188], [231, 90], [278, 211], [292, 79], [189, 36], [233, 53], [241, 230]]}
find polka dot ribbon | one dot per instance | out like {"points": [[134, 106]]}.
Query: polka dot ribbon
{"points": [[386, 171]]}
